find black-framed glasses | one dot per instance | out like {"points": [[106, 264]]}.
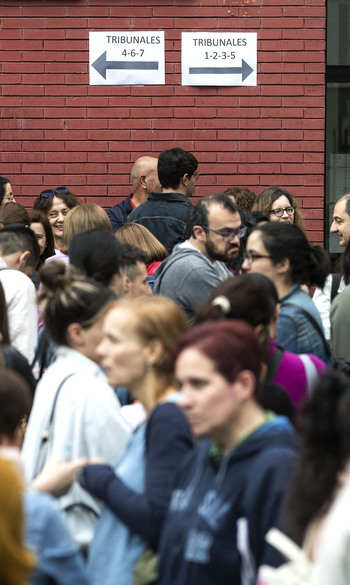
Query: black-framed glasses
{"points": [[196, 176], [280, 211], [50, 192], [250, 257], [229, 235]]}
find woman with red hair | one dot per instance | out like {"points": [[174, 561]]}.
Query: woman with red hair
{"points": [[228, 492]]}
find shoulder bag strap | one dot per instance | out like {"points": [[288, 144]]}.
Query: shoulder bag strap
{"points": [[336, 278], [313, 322], [47, 433]]}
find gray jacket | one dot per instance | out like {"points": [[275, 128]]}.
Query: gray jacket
{"points": [[188, 277]]}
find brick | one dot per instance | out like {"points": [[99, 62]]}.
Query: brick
{"points": [[303, 146], [55, 124], [304, 123], [66, 157], [311, 169]]}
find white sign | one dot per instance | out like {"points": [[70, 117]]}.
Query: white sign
{"points": [[127, 58], [219, 58]]}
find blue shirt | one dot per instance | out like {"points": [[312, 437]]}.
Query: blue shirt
{"points": [[118, 214], [58, 557]]}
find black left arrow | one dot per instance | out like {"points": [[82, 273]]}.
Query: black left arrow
{"points": [[101, 65]]}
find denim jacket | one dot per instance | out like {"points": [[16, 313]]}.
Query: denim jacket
{"points": [[58, 557], [295, 332], [167, 216]]}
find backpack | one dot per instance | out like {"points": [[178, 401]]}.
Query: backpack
{"points": [[298, 570]]}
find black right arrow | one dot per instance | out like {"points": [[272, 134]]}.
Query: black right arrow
{"points": [[101, 65], [245, 70]]}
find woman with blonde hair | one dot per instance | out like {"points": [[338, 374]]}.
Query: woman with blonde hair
{"points": [[139, 236], [278, 204], [136, 351], [88, 216]]}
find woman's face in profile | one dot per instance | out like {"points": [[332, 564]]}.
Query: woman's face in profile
{"points": [[209, 401], [122, 352]]}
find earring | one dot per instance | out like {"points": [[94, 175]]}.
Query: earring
{"points": [[149, 365]]}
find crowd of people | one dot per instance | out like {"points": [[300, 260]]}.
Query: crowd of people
{"points": [[174, 387]]}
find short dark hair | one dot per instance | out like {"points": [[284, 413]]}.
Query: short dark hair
{"points": [[15, 401], [200, 212], [19, 238], [45, 203], [173, 164], [96, 254], [131, 255], [3, 182]]}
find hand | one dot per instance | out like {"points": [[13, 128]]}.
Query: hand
{"points": [[57, 476], [95, 461]]}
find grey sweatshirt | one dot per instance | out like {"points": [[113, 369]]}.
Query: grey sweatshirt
{"points": [[188, 277]]}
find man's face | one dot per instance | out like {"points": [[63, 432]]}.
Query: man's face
{"points": [[222, 220], [341, 223], [140, 286], [191, 184], [152, 181]]}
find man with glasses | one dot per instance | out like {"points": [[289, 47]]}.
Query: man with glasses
{"points": [[167, 215], [197, 265]]}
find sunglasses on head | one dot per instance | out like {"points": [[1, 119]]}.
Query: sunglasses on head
{"points": [[50, 192]]}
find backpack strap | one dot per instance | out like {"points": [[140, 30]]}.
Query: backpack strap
{"points": [[336, 278]]}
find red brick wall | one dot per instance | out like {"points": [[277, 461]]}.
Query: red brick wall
{"points": [[58, 130]]}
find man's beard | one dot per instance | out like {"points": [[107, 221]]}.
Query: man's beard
{"points": [[230, 254]]}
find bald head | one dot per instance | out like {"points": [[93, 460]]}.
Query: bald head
{"points": [[144, 172]]}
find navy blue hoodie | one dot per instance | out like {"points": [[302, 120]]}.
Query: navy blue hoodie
{"points": [[221, 509]]}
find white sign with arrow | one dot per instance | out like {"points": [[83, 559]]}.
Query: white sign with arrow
{"points": [[219, 58], [127, 58]]}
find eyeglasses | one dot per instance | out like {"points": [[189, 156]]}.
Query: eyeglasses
{"points": [[196, 176], [50, 192], [280, 211], [250, 257], [54, 214], [240, 232], [8, 198]]}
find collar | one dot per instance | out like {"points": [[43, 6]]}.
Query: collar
{"points": [[81, 362], [133, 206], [290, 293], [170, 196]]}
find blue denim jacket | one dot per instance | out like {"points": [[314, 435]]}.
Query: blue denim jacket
{"points": [[58, 557], [167, 216], [295, 332]]}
